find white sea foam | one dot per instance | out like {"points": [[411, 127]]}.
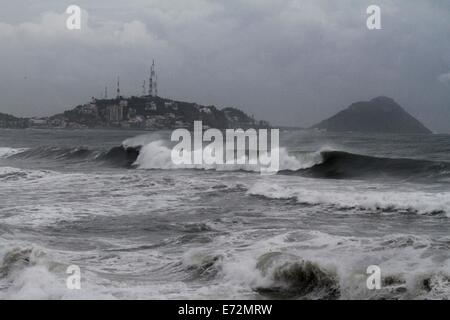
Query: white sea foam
{"points": [[275, 265], [11, 173], [31, 272], [141, 140], [127, 230], [8, 152], [409, 267], [17, 186], [156, 155], [350, 196]]}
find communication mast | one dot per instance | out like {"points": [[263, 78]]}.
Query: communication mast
{"points": [[153, 82], [118, 87]]}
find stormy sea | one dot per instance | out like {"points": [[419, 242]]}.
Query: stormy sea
{"points": [[111, 202]]}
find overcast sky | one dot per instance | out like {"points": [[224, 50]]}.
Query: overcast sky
{"points": [[292, 62]]}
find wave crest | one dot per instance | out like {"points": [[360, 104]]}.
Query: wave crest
{"points": [[152, 152], [156, 155], [353, 199], [344, 165], [292, 276], [8, 152]]}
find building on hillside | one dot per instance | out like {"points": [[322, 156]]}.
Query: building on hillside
{"points": [[115, 113], [38, 122], [150, 106], [89, 108]]}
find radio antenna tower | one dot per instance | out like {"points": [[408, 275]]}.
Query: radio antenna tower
{"points": [[153, 85], [150, 82], [143, 89], [106, 92], [118, 87]]}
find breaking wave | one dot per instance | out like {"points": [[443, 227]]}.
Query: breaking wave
{"points": [[143, 154], [353, 199], [323, 266], [32, 273], [292, 277], [156, 155], [325, 164], [25, 273], [8, 152], [318, 164]]}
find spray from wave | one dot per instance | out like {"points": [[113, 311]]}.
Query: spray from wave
{"points": [[290, 277], [30, 272], [8, 152], [323, 164], [157, 155], [325, 266]]}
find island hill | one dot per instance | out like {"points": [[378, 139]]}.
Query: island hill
{"points": [[145, 112], [379, 115]]}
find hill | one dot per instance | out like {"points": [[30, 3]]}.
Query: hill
{"points": [[149, 112], [379, 115], [145, 112]]}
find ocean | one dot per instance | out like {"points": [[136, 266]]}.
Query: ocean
{"points": [[138, 228]]}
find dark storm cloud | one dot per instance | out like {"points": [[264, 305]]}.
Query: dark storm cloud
{"points": [[290, 62]]}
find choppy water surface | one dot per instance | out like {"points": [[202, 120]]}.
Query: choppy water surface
{"points": [[138, 228]]}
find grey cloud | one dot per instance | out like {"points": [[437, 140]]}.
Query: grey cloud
{"points": [[290, 62]]}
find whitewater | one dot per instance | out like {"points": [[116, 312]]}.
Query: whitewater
{"points": [[140, 227]]}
